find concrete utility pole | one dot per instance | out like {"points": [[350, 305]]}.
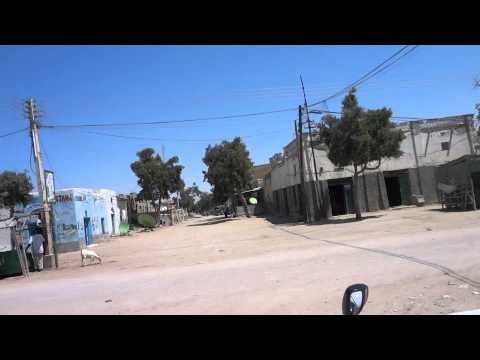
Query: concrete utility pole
{"points": [[32, 114]]}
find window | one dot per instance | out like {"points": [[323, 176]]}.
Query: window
{"points": [[445, 145]]}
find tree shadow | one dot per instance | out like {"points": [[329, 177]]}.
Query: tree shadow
{"points": [[344, 220], [276, 220], [279, 220], [214, 222], [445, 210]]}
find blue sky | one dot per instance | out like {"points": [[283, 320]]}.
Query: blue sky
{"points": [[101, 84]]}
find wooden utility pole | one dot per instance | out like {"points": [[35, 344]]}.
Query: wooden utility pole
{"points": [[302, 167], [412, 133], [32, 114], [318, 192]]}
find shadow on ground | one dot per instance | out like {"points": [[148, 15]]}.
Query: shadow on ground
{"points": [[214, 222], [290, 222], [345, 220], [449, 210]]}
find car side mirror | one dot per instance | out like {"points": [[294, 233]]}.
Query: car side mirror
{"points": [[354, 299]]}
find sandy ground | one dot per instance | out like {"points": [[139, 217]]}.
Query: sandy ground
{"points": [[414, 260]]}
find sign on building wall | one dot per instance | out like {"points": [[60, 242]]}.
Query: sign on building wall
{"points": [[50, 186]]}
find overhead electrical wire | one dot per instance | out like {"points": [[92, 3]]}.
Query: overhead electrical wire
{"points": [[179, 140], [167, 121], [375, 71], [13, 132]]}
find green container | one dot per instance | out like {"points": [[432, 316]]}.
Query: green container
{"points": [[9, 264]]}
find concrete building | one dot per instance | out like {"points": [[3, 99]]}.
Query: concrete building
{"points": [[82, 216], [427, 145], [259, 172]]}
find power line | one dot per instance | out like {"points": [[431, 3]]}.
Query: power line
{"points": [[393, 117], [375, 71], [168, 121], [179, 140], [13, 132]]}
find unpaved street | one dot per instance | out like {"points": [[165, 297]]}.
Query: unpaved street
{"points": [[414, 260]]}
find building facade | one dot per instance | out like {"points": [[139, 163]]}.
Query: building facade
{"points": [[427, 145], [82, 216]]}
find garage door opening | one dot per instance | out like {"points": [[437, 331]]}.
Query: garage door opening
{"points": [[398, 190], [341, 197]]}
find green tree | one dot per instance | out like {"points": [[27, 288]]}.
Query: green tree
{"points": [[361, 139], [15, 189], [188, 197], [205, 203], [228, 170], [156, 178]]}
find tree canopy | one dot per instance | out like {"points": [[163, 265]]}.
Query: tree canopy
{"points": [[15, 189], [157, 178], [189, 197], [205, 203], [229, 170], [360, 138]]}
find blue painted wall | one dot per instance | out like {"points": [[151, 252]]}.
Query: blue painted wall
{"points": [[73, 205]]}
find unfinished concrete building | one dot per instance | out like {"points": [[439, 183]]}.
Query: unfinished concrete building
{"points": [[428, 145]]}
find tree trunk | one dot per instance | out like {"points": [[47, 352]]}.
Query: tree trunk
{"points": [[233, 203], [244, 203], [356, 193]]}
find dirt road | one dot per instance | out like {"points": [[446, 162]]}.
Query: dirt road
{"points": [[415, 261]]}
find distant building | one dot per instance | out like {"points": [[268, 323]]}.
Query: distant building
{"points": [[259, 172], [82, 215]]}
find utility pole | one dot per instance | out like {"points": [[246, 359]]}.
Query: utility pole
{"points": [[302, 171], [319, 195], [301, 194], [32, 114], [419, 179]]}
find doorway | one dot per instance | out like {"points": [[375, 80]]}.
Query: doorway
{"points": [[476, 187], [337, 199], [87, 227], [393, 191], [285, 196], [102, 220], [398, 190]]}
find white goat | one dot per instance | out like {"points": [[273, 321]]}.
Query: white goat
{"points": [[90, 254]]}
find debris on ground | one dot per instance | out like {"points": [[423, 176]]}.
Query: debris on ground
{"points": [[220, 250], [475, 293], [446, 296], [411, 298], [429, 229], [463, 286], [452, 283], [108, 300]]}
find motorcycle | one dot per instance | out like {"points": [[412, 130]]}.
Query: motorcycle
{"points": [[354, 299]]}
